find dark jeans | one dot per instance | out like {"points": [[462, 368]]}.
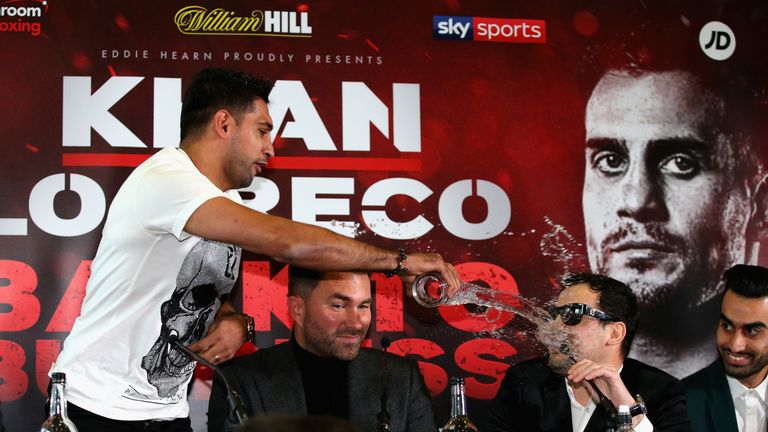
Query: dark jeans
{"points": [[87, 421]]}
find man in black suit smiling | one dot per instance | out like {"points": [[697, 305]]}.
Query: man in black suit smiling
{"points": [[323, 370]]}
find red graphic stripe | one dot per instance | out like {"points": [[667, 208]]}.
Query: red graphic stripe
{"points": [[340, 164], [103, 159]]}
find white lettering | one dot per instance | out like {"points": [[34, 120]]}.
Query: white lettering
{"points": [[166, 113], [83, 111], [306, 124], [307, 206], [378, 220], [92, 205], [498, 209], [265, 192]]}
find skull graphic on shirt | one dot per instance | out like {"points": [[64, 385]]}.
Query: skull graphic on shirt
{"points": [[208, 272]]}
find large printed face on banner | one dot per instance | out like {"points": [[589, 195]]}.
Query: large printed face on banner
{"points": [[666, 208]]}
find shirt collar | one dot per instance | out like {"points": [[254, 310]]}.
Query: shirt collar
{"points": [[738, 389]]}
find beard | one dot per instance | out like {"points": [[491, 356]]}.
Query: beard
{"points": [[560, 363], [327, 344], [754, 366]]}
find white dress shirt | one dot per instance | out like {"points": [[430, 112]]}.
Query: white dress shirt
{"points": [[749, 405], [581, 414]]}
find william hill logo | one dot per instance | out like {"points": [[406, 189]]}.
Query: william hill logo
{"points": [[198, 20]]}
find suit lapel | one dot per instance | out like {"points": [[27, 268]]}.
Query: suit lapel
{"points": [[720, 410], [555, 413], [365, 387], [282, 391]]}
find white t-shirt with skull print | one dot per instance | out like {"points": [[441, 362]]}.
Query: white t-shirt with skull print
{"points": [[151, 283]]}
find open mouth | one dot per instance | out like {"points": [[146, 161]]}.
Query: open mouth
{"points": [[737, 360]]}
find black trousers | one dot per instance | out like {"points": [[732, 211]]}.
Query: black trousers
{"points": [[87, 421]]}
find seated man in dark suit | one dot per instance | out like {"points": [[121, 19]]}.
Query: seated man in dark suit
{"points": [[599, 315], [323, 370], [730, 394]]}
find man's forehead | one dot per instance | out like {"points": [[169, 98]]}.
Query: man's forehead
{"points": [[344, 283], [740, 309], [579, 293], [653, 105]]}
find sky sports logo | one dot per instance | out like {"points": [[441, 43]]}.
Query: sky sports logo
{"points": [[510, 30]]}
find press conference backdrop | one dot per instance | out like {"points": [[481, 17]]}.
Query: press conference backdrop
{"points": [[455, 127]]}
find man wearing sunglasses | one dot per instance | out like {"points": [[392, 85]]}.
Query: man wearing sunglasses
{"points": [[729, 395], [573, 388]]}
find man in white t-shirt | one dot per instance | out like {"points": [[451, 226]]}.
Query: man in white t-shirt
{"points": [[170, 254], [730, 394]]}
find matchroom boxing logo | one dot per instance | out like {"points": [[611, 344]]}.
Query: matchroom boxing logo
{"points": [[509, 30], [22, 16]]}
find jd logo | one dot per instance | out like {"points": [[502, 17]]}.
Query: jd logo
{"points": [[717, 40]]}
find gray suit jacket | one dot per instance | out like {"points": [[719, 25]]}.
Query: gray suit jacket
{"points": [[269, 381], [710, 404]]}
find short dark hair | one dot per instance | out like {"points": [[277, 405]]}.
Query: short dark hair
{"points": [[747, 280], [616, 299], [302, 281], [213, 89]]}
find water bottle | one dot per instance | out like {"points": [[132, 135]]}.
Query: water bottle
{"points": [[58, 420], [459, 421], [624, 420], [429, 290]]}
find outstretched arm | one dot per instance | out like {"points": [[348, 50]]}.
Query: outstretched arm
{"points": [[295, 243]]}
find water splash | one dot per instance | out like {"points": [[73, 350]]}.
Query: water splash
{"points": [[546, 331], [562, 248]]}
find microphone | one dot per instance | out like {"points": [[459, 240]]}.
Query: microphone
{"points": [[383, 417], [235, 404], [385, 343]]}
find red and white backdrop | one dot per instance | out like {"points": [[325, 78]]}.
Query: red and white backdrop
{"points": [[455, 127]]}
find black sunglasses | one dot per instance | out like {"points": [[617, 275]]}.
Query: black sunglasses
{"points": [[571, 313]]}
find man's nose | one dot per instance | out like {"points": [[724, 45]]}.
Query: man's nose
{"points": [[738, 342], [269, 149], [355, 318], [642, 194]]}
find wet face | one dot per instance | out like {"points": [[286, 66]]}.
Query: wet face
{"points": [[250, 146], [742, 338], [665, 210], [586, 339], [336, 316]]}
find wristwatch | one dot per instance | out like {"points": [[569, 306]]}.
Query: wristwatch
{"points": [[638, 408]]}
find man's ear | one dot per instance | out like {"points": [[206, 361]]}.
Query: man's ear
{"points": [[297, 310], [617, 333], [757, 229], [222, 123]]}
